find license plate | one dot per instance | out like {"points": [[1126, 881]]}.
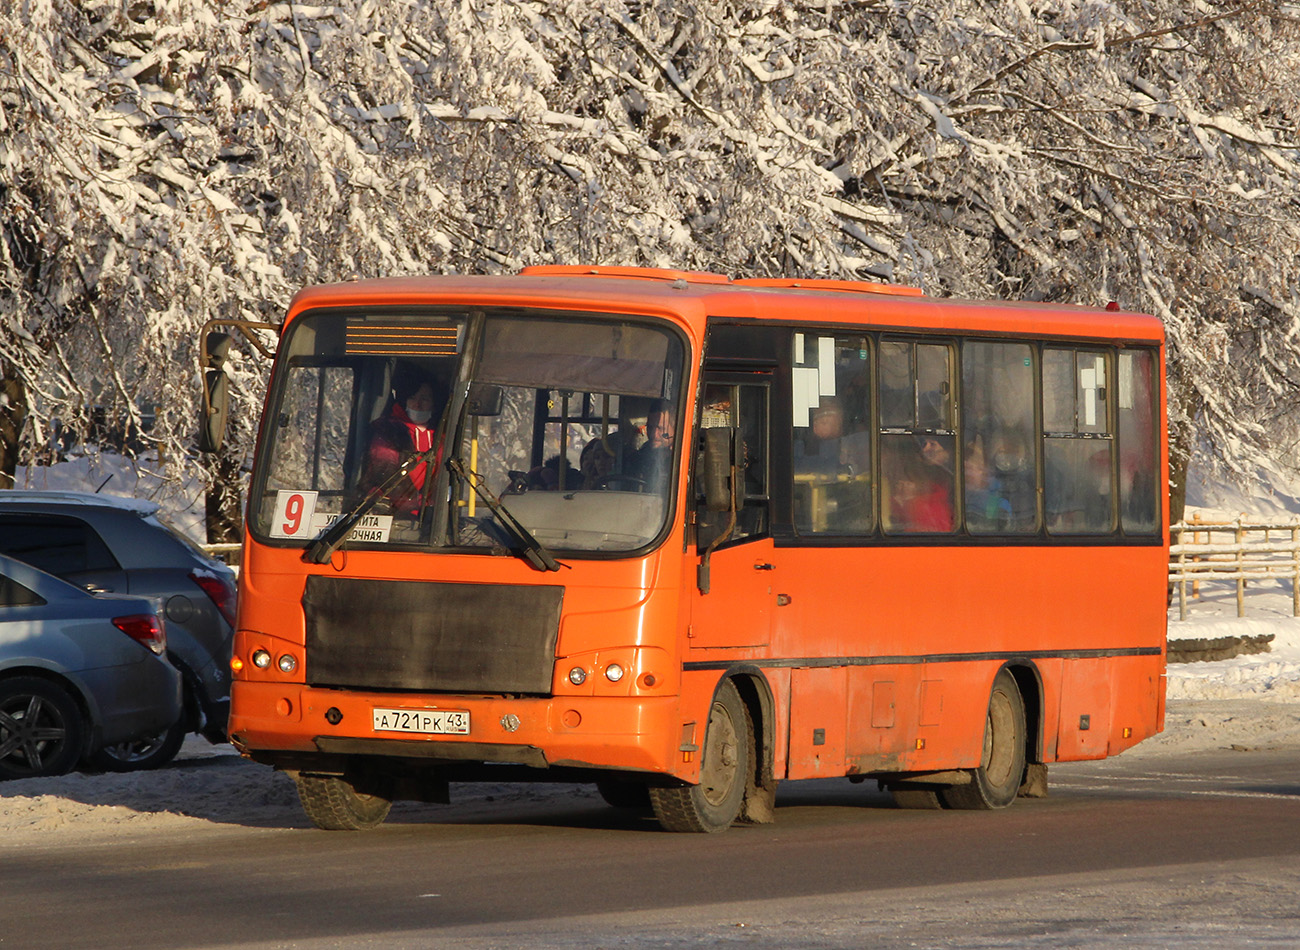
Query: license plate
{"points": [[425, 721]]}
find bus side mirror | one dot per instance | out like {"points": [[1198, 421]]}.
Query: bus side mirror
{"points": [[216, 392], [719, 449]]}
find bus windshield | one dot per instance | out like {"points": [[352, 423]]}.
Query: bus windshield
{"points": [[439, 429]]}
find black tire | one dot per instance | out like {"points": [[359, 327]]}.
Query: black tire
{"points": [[334, 804], [915, 798], [714, 804], [1002, 767], [619, 794], [42, 730], [152, 753]]}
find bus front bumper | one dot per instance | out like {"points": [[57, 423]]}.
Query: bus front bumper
{"points": [[619, 733]]}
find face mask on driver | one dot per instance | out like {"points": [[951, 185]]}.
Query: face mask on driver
{"points": [[418, 416]]}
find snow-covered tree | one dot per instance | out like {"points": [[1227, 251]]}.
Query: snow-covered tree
{"points": [[164, 163]]}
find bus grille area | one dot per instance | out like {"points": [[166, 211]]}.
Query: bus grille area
{"points": [[431, 637]]}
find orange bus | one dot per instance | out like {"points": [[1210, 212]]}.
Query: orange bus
{"points": [[686, 536]]}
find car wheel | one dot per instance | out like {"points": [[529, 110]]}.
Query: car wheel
{"points": [[42, 732], [150, 753]]}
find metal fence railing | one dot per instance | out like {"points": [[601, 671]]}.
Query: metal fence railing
{"points": [[1238, 551], [224, 552]]}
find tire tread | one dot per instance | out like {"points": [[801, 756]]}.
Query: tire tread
{"points": [[333, 804]]}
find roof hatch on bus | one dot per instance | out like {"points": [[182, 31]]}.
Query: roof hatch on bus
{"points": [[642, 273], [852, 286]]}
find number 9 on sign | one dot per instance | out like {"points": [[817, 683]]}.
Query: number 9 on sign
{"points": [[292, 515]]}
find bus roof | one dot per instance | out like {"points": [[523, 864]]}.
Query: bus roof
{"points": [[696, 295]]}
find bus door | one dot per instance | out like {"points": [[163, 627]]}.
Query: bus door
{"points": [[735, 593]]}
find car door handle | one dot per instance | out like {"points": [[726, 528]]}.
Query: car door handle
{"points": [[764, 567]]}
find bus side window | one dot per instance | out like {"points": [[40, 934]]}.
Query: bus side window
{"points": [[999, 464], [1078, 442], [917, 440], [832, 451], [1139, 507]]}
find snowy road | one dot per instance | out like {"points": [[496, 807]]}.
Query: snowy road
{"points": [[1181, 842]]}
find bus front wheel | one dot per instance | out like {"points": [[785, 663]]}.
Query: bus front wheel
{"points": [[715, 802], [333, 803], [1002, 767]]}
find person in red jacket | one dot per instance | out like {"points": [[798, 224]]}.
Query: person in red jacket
{"points": [[919, 480], [406, 429]]}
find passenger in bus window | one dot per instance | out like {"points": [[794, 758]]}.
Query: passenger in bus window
{"points": [[406, 429], [819, 452], [1012, 461], [987, 506], [919, 487], [555, 474], [653, 460], [596, 462]]}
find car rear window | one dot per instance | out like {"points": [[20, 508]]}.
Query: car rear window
{"points": [[56, 544]]}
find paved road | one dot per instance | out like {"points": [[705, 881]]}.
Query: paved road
{"points": [[1198, 850]]}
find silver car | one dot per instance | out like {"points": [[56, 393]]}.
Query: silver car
{"points": [[121, 545], [78, 672]]}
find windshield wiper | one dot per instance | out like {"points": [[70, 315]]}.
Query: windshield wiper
{"points": [[533, 551], [328, 541]]}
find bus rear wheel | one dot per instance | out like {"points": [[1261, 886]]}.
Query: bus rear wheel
{"points": [[333, 803], [714, 803], [1002, 767]]}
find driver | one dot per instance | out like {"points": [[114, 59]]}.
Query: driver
{"points": [[406, 429], [653, 460]]}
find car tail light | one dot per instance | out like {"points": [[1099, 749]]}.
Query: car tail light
{"points": [[145, 629], [220, 590]]}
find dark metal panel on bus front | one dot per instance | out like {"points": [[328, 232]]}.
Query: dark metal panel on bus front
{"points": [[431, 637]]}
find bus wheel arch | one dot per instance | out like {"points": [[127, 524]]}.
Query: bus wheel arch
{"points": [[996, 782], [759, 806], [1030, 680]]}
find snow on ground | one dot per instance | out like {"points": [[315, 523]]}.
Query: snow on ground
{"points": [[1248, 701]]}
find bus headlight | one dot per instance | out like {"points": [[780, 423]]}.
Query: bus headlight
{"points": [[261, 659], [288, 663], [613, 672], [577, 676]]}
